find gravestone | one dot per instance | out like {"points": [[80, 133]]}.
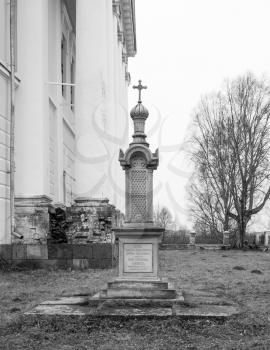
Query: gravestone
{"points": [[139, 238]]}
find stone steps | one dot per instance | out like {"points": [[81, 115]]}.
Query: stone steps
{"points": [[139, 284], [138, 288], [129, 293]]}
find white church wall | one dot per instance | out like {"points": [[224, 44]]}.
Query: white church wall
{"points": [[48, 135], [121, 116], [91, 98], [4, 159], [101, 102], [4, 124], [32, 108]]}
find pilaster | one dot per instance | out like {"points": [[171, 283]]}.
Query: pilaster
{"points": [[32, 122], [91, 98]]}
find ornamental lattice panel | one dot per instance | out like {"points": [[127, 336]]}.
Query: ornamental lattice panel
{"points": [[138, 189]]}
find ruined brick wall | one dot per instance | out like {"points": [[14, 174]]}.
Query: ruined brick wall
{"points": [[92, 221]]}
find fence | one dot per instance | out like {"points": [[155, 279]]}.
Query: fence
{"points": [[172, 237]]}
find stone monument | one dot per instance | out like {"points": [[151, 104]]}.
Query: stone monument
{"points": [[139, 238], [138, 290]]}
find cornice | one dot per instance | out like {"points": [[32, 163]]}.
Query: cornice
{"points": [[129, 26]]}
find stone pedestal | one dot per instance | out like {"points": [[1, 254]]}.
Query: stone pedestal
{"points": [[138, 252], [32, 218], [266, 238], [226, 238], [192, 238], [138, 276]]}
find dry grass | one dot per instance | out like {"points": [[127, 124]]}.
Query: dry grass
{"points": [[200, 270]]}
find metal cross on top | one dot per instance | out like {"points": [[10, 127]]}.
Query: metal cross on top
{"points": [[140, 87]]}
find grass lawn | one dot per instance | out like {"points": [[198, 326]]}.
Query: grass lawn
{"points": [[227, 273]]}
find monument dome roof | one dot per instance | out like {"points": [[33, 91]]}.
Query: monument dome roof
{"points": [[139, 111]]}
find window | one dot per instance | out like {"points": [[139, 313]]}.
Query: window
{"points": [[5, 32], [68, 58]]}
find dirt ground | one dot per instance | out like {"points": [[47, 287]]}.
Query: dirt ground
{"points": [[243, 277]]}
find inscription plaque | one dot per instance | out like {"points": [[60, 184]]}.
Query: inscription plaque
{"points": [[138, 257]]}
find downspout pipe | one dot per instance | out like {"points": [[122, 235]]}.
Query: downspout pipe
{"points": [[12, 112], [17, 235]]}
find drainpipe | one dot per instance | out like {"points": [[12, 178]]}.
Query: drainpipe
{"points": [[64, 187], [17, 235], [12, 110]]}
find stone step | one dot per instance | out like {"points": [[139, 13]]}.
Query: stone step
{"points": [[139, 293], [137, 284], [142, 302]]}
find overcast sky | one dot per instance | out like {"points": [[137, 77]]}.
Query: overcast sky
{"points": [[186, 48]]}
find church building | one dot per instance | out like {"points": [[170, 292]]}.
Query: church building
{"points": [[71, 115]]}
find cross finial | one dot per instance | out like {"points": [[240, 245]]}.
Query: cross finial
{"points": [[140, 87]]}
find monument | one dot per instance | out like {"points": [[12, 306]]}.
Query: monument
{"points": [[139, 238], [138, 289]]}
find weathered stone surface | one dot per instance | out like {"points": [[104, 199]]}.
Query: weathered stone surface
{"points": [[91, 220], [176, 246], [19, 251], [96, 306], [6, 251], [61, 255], [81, 251], [194, 298], [60, 251], [139, 293], [101, 263], [138, 284], [142, 311], [101, 251], [37, 251], [32, 218], [80, 264], [208, 311], [135, 303], [59, 310], [148, 236], [72, 300], [192, 238]]}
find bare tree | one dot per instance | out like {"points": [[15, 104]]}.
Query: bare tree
{"points": [[232, 149], [206, 210], [162, 217], [209, 188]]}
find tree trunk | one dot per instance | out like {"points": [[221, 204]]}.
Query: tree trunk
{"points": [[226, 222], [242, 226]]}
